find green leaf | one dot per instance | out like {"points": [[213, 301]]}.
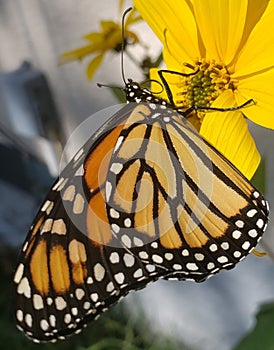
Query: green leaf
{"points": [[119, 94], [262, 336], [259, 178], [158, 60]]}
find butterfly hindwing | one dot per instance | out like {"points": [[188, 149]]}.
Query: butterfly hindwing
{"points": [[175, 202]]}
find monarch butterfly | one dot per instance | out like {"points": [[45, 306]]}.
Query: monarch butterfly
{"points": [[145, 198], [157, 201]]}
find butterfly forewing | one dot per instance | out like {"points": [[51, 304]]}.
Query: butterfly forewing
{"points": [[187, 210], [71, 267]]}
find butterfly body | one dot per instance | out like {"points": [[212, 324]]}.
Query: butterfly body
{"points": [[145, 198]]}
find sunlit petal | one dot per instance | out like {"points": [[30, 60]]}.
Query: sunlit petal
{"points": [[221, 24], [260, 88], [173, 22], [228, 132], [258, 53]]}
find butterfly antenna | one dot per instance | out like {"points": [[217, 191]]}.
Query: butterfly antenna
{"points": [[123, 43], [108, 86]]}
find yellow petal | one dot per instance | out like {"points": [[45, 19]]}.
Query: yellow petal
{"points": [[258, 52], [77, 54], [170, 80], [157, 88], [228, 132], [108, 26], [174, 24], [132, 17], [93, 65], [221, 24], [172, 62], [93, 37], [260, 88], [121, 4]]}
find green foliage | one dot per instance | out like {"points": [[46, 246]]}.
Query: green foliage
{"points": [[114, 330], [119, 94], [262, 336], [259, 178]]}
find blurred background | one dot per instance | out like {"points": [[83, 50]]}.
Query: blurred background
{"points": [[42, 103]]}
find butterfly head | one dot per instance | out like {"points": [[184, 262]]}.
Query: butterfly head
{"points": [[136, 93]]}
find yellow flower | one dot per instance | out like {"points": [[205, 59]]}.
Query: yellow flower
{"points": [[230, 44], [109, 38]]}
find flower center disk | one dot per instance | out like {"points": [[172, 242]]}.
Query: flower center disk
{"points": [[202, 88]]}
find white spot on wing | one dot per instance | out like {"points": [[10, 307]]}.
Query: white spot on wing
{"points": [[237, 254], [67, 318], [119, 277], [38, 303], [126, 241], [192, 266], [236, 234], [251, 213], [52, 320], [129, 260], [210, 265], [19, 273], [110, 287], [46, 226], [138, 273], [80, 171], [138, 242], [213, 247], [114, 258], [177, 267], [59, 227], [222, 259], [246, 245], [239, 223], [150, 268], [253, 233], [94, 297], [69, 193], [199, 256], [225, 245], [19, 315], [44, 325], [60, 303], [24, 287], [144, 255], [127, 222], [185, 252], [47, 207], [79, 293], [113, 213], [28, 320], [260, 223], [99, 272], [118, 143], [115, 228], [108, 190], [78, 205], [157, 259], [116, 168]]}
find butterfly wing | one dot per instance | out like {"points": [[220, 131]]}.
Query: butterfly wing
{"points": [[175, 202], [69, 270], [143, 199]]}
